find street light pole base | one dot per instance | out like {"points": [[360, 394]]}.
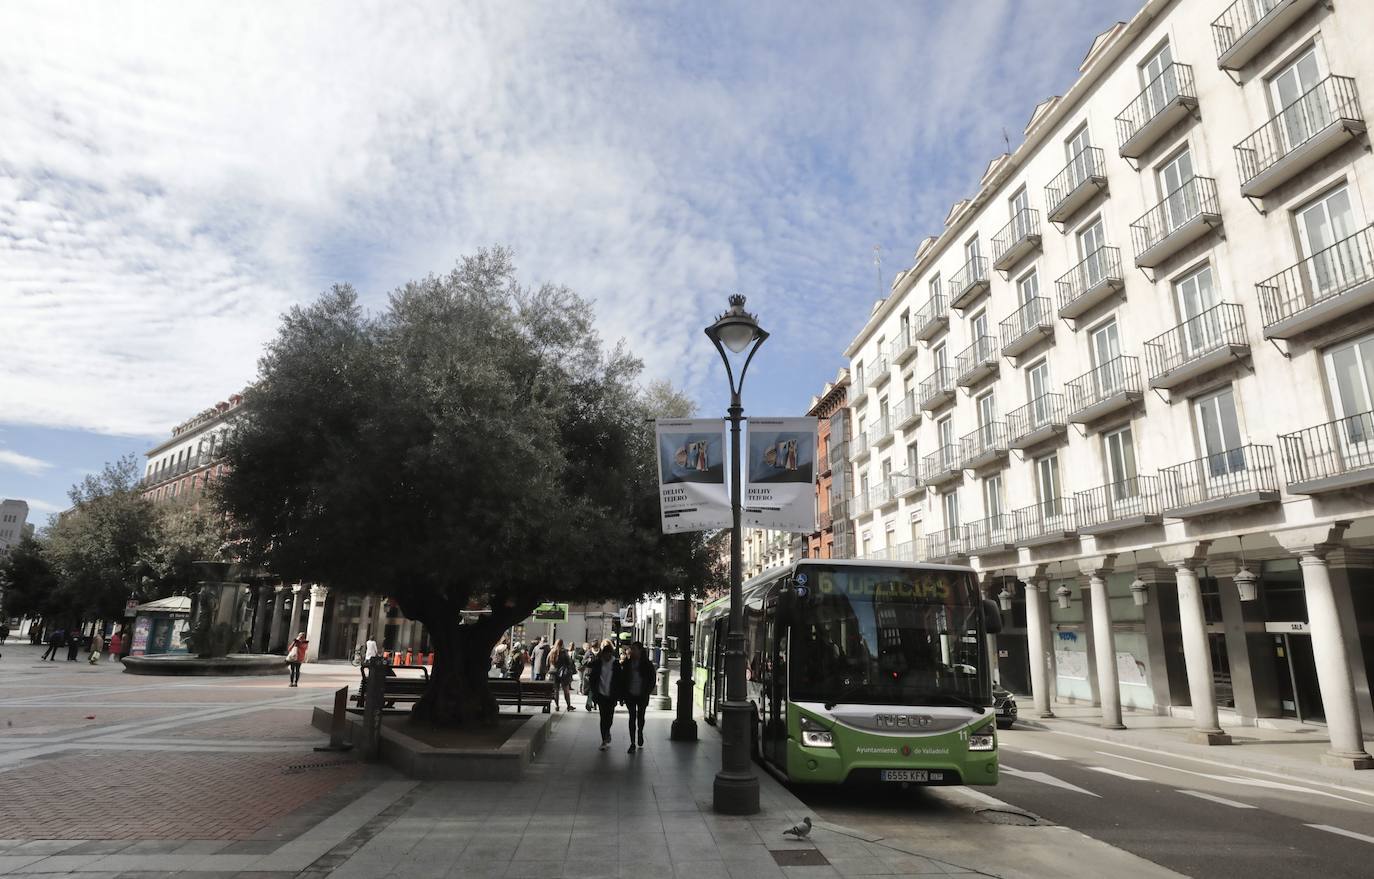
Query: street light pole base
{"points": [[683, 730], [735, 794]]}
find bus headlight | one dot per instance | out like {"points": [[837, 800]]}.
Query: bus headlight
{"points": [[983, 740], [814, 735]]}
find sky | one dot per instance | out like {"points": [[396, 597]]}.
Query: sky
{"points": [[174, 176]]}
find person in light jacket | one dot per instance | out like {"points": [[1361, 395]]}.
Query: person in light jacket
{"points": [[605, 685], [638, 686], [295, 655]]}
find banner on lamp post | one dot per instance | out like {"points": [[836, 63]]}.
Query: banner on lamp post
{"points": [[691, 474], [780, 489]]}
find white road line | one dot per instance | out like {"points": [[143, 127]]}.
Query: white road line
{"points": [[1339, 831], [1045, 778], [1044, 755], [1236, 779], [1215, 799], [1117, 772]]}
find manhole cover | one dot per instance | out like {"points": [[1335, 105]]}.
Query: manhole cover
{"points": [[802, 857], [1002, 816]]}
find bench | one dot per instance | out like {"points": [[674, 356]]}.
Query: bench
{"points": [[522, 693], [395, 688]]}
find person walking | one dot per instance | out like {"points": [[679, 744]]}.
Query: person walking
{"points": [[4, 636], [116, 644], [606, 685], [370, 649], [588, 658], [97, 647], [55, 643], [73, 645], [561, 673], [638, 687], [295, 655], [540, 656]]}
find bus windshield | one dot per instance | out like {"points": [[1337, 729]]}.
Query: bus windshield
{"points": [[888, 636]]}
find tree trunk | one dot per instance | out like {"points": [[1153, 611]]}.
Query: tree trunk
{"points": [[458, 694]]}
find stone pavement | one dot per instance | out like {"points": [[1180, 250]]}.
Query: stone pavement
{"points": [[106, 774]]}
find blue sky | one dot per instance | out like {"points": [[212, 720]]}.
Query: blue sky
{"points": [[166, 194]]}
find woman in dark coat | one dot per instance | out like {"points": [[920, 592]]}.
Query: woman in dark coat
{"points": [[638, 686]]}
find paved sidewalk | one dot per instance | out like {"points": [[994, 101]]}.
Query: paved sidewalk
{"points": [[1294, 752]]}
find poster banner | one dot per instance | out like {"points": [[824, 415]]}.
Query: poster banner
{"points": [[780, 488], [691, 474]]}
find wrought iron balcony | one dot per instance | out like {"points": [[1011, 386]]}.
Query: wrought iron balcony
{"points": [[907, 413], [937, 389], [945, 546], [941, 466], [989, 536], [1331, 456], [1329, 284], [969, 283], [1102, 391], [858, 388], [180, 468], [881, 495], [1072, 188], [1164, 102], [1247, 26], [1116, 506], [903, 348], [1017, 240], [985, 446], [905, 552], [1040, 420], [1027, 326], [1050, 521], [905, 484], [933, 317], [860, 449], [880, 434], [1197, 346], [881, 373], [977, 361], [1236, 478], [859, 506], [1094, 280], [1184, 216], [1319, 122]]}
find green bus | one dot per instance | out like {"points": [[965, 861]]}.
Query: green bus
{"points": [[861, 671]]}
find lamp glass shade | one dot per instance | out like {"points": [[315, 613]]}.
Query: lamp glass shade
{"points": [[1004, 600], [1065, 597], [1247, 584], [1140, 592], [736, 335]]}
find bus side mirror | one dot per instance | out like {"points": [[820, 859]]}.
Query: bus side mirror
{"points": [[992, 617]]}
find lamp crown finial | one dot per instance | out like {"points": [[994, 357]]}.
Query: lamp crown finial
{"points": [[737, 300]]}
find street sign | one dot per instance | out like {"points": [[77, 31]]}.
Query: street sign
{"points": [[550, 613], [130, 607]]}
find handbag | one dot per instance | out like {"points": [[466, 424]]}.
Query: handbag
{"points": [[294, 654]]}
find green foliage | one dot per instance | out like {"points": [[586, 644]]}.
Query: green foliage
{"points": [[28, 582]]}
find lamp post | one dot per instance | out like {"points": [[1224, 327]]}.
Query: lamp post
{"points": [[736, 789]]}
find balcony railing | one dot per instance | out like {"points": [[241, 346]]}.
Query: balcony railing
{"points": [[1331, 456], [1320, 120], [860, 448], [1027, 325], [945, 545], [881, 495], [1017, 240], [937, 388], [1050, 521], [941, 466], [1197, 346], [1082, 178], [931, 319], [858, 388], [1330, 283], [1090, 282], [903, 347], [986, 445], [179, 468], [880, 434], [1247, 26], [905, 552], [990, 535], [977, 361], [1185, 215], [970, 282], [880, 374], [904, 483], [907, 412], [1229, 480], [1040, 420], [1161, 105], [1104, 390], [1129, 503], [859, 506]]}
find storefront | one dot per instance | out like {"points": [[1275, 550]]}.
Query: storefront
{"points": [[161, 626]]}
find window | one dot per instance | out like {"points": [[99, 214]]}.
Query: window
{"points": [[971, 249], [1121, 472], [992, 496], [1180, 199], [905, 322], [913, 460], [978, 328], [1028, 287], [1350, 373], [934, 287], [1159, 79], [887, 469], [1220, 433], [859, 373], [1303, 111], [1322, 225], [1020, 214], [882, 414], [1109, 375], [1048, 492], [946, 430], [987, 414], [941, 359], [1037, 386], [1076, 152], [1091, 239], [1197, 295], [950, 504]]}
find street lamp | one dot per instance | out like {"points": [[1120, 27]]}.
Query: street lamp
{"points": [[736, 790]]}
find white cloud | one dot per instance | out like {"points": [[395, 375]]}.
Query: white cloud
{"points": [[39, 506], [23, 463], [176, 175]]}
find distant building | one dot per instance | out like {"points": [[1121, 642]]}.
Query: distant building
{"points": [[14, 525], [828, 541], [193, 456]]}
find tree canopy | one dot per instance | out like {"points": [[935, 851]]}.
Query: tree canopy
{"points": [[473, 445]]}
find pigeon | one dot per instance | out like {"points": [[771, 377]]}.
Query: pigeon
{"points": [[801, 831]]}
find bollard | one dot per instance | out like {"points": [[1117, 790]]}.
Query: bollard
{"points": [[662, 699], [338, 727], [372, 708]]}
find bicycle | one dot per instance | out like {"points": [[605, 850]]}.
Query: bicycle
{"points": [[357, 657]]}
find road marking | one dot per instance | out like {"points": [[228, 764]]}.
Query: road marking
{"points": [[1044, 755], [1215, 799], [1339, 831], [1044, 778], [1117, 772], [1231, 766], [1236, 779]]}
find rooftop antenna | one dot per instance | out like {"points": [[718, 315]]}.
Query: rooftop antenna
{"points": [[1006, 140], [878, 262]]}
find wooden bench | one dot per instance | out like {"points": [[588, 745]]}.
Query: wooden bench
{"points": [[395, 688], [522, 693]]}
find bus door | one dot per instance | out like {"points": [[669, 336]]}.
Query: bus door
{"points": [[775, 718], [718, 667]]}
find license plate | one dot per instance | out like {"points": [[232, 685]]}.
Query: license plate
{"points": [[904, 775]]}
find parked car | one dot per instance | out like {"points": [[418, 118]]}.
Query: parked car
{"points": [[1004, 704]]}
